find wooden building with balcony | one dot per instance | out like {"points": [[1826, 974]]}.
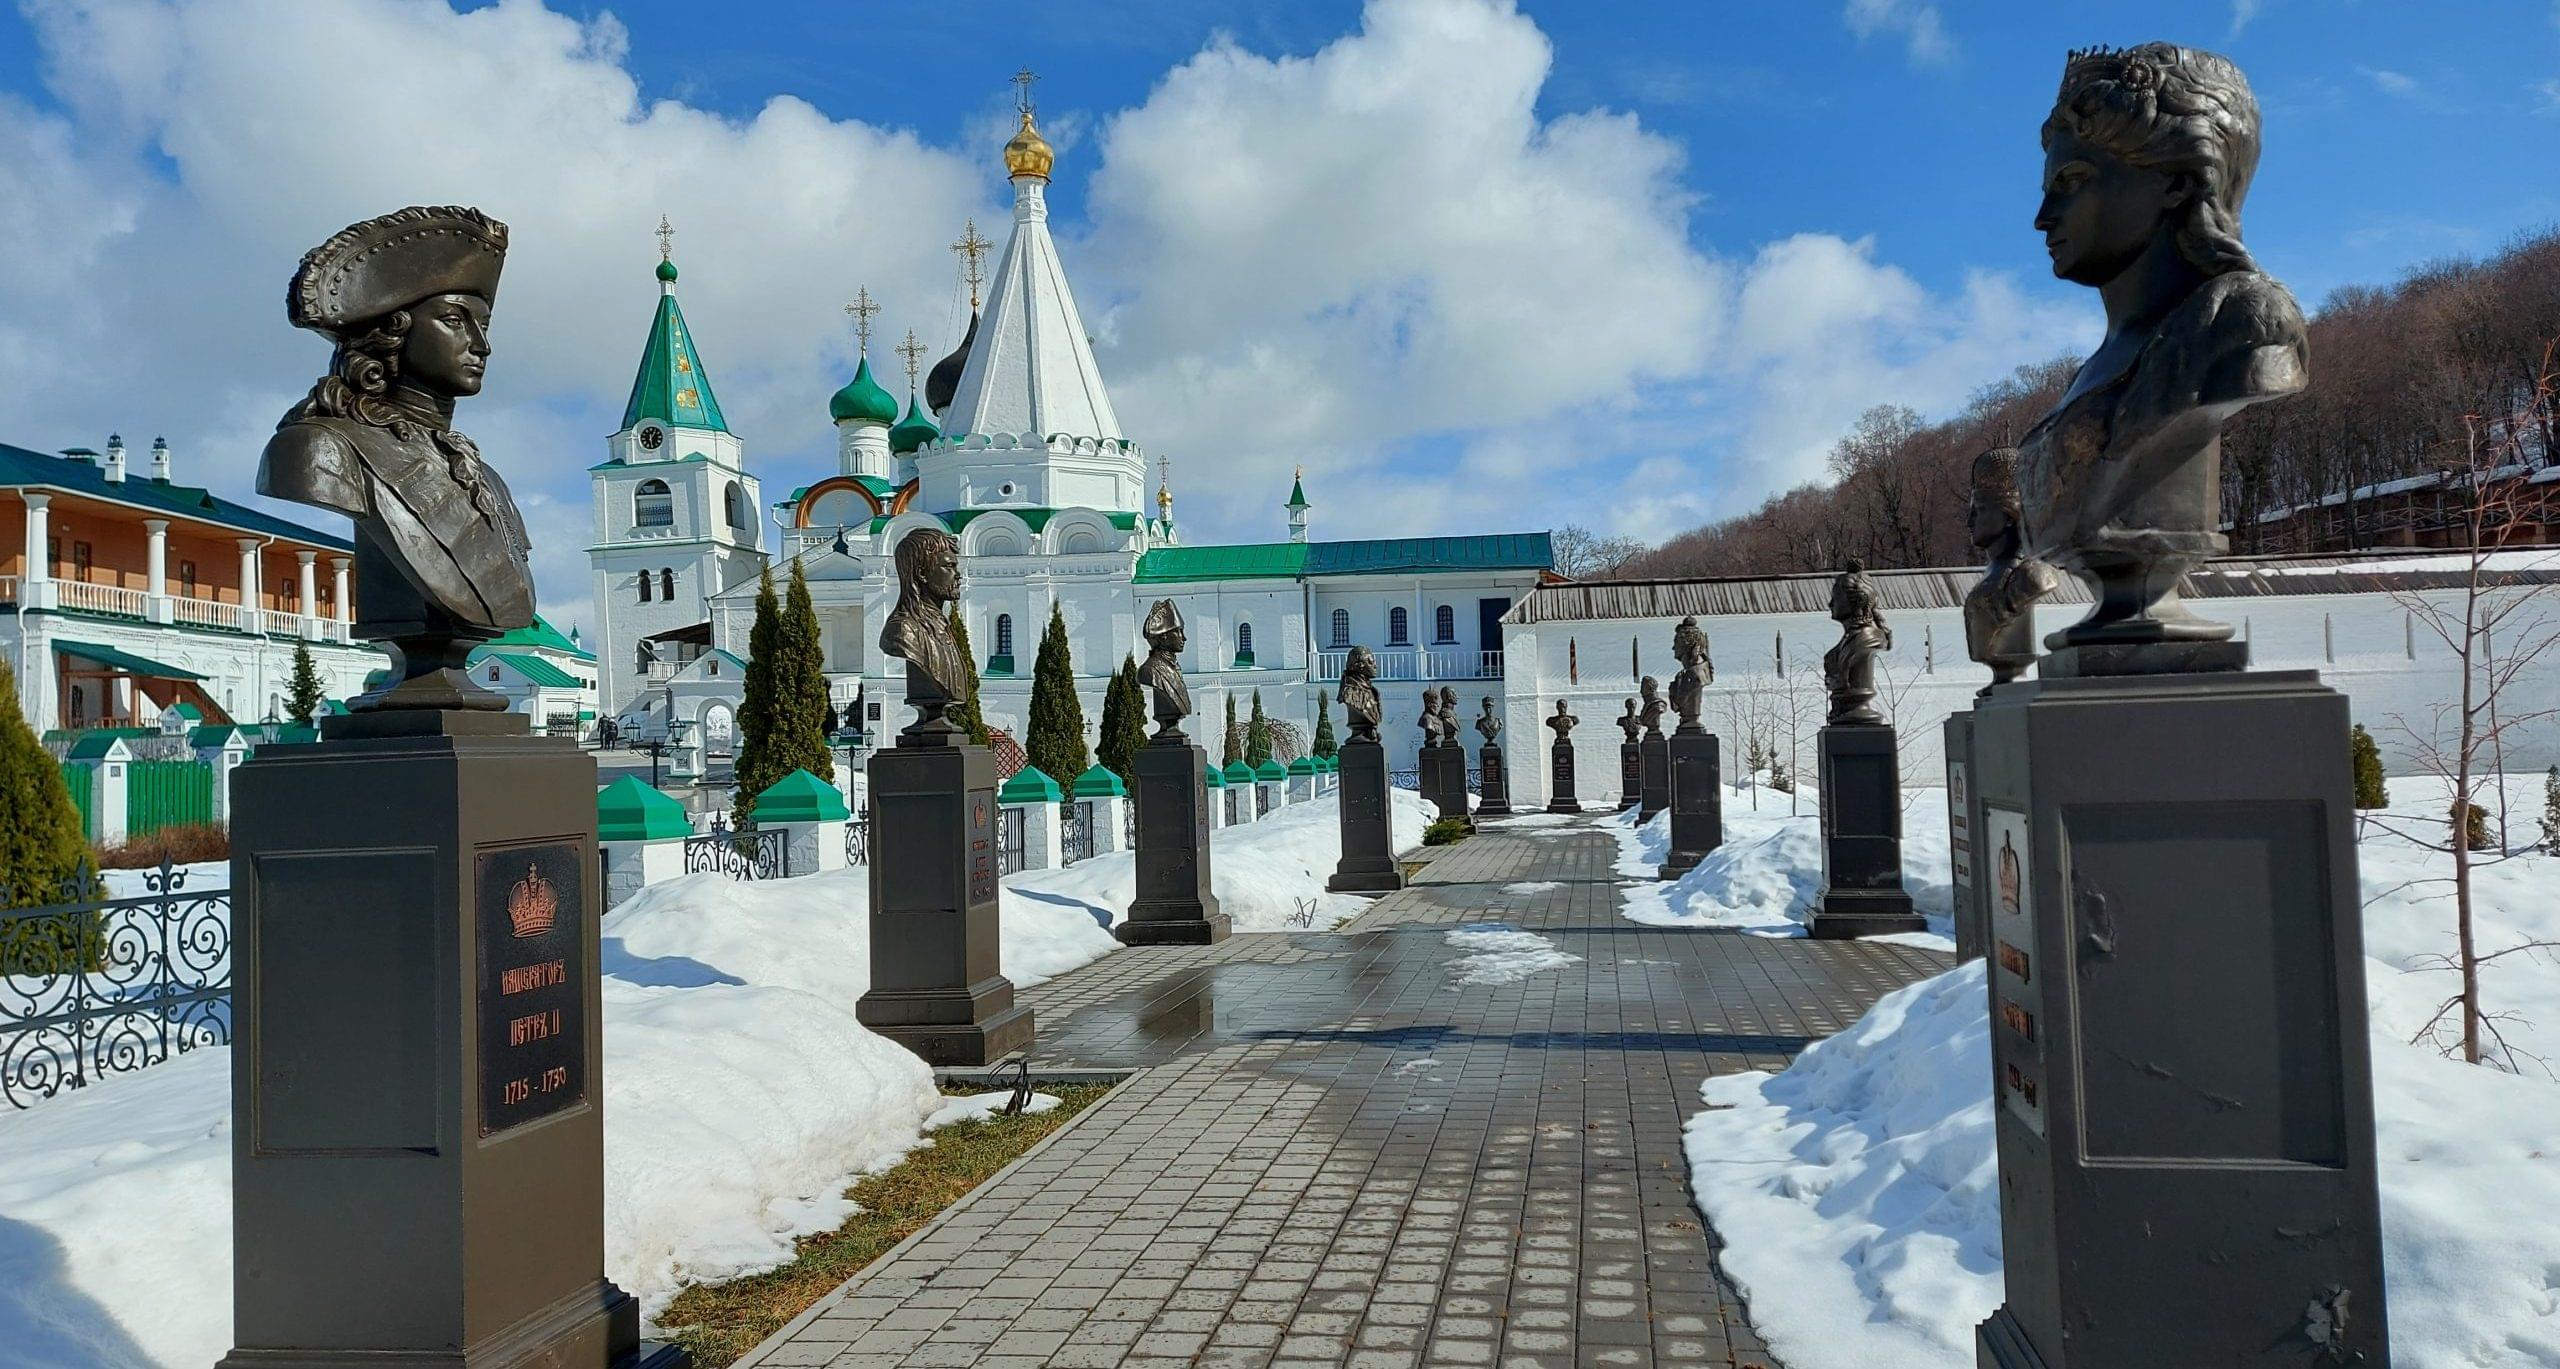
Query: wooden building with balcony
{"points": [[124, 593]]}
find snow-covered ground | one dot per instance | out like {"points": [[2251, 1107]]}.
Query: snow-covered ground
{"points": [[1857, 1191], [741, 1097], [1767, 876]]}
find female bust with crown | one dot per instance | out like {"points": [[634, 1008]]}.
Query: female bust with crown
{"points": [[2148, 155]]}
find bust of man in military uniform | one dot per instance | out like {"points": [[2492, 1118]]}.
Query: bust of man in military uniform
{"points": [[440, 548], [1162, 672]]}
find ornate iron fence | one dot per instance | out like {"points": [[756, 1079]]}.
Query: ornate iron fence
{"points": [[1075, 831], [857, 839], [755, 853], [1009, 840], [1404, 779], [91, 987], [1262, 799]]}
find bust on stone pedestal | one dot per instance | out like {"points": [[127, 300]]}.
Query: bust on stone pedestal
{"points": [[1175, 902], [1693, 762], [1561, 797], [1367, 864], [1849, 667], [1999, 611]]}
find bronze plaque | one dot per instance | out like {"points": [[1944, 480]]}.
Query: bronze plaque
{"points": [[533, 972], [982, 845]]}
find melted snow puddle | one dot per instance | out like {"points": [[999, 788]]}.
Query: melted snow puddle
{"points": [[1498, 953]]}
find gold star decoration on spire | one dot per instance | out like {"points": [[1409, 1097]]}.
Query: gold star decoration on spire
{"points": [[972, 248], [862, 309], [666, 239], [912, 350]]}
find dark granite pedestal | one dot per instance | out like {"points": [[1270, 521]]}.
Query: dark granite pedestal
{"points": [[937, 981], [1448, 764], [1560, 795], [1964, 822], [1654, 772], [417, 1168], [1861, 779], [1174, 905], [1495, 786], [2179, 1043], [1368, 861], [1697, 800], [1630, 775]]}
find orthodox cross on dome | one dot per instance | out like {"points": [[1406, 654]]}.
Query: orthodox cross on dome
{"points": [[1022, 81], [972, 248], [912, 350], [666, 239], [862, 309]]}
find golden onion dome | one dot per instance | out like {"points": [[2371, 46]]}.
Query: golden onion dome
{"points": [[1028, 154]]}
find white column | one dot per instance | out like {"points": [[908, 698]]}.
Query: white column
{"points": [[308, 599], [338, 570], [37, 592], [155, 604], [249, 584]]}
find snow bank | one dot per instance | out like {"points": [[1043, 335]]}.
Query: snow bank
{"points": [[1767, 877], [1265, 873], [1857, 1190]]}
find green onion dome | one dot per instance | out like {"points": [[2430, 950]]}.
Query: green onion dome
{"points": [[667, 271], [862, 400], [913, 431]]}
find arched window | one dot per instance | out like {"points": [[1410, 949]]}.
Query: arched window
{"points": [[1342, 627], [1004, 634], [1244, 644], [1399, 627], [652, 506], [733, 502], [667, 585], [1444, 624], [644, 587]]}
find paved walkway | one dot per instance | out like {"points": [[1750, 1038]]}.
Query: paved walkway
{"points": [[1335, 1153]]}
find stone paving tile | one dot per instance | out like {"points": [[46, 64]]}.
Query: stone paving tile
{"points": [[1333, 1154]]}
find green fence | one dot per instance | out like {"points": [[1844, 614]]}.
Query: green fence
{"points": [[166, 793], [81, 781]]}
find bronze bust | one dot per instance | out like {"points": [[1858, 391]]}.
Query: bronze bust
{"points": [[1631, 723], [918, 631], [440, 548], [1849, 667], [1650, 690], [1448, 716], [1359, 695], [1488, 724], [1162, 671], [1697, 671], [1999, 611], [1432, 732], [2148, 156], [1563, 722]]}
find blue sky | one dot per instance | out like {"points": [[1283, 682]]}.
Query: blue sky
{"points": [[1476, 267]]}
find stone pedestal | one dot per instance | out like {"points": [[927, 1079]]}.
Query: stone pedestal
{"points": [[1368, 861], [2179, 1043], [1697, 800], [937, 980], [1448, 761], [1560, 795], [417, 1166], [1861, 779], [1654, 770], [1495, 785], [1630, 775], [1174, 905], [1964, 820]]}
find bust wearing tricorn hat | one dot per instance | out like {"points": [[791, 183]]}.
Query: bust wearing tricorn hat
{"points": [[440, 548], [1162, 673]]}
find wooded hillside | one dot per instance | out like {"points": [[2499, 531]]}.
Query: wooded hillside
{"points": [[2394, 371]]}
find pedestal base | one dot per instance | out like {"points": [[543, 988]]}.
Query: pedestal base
{"points": [[1560, 795], [1368, 861], [1448, 763], [418, 1142], [937, 978], [2179, 1039], [1630, 775], [1964, 824], [1496, 784], [1654, 766], [1697, 801], [1174, 904], [1861, 779]]}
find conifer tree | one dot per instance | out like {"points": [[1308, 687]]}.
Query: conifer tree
{"points": [[1056, 744], [1324, 743], [1257, 734], [1124, 722], [759, 713], [803, 686], [2551, 811], [1233, 738], [302, 697], [42, 846], [2368, 759], [966, 713]]}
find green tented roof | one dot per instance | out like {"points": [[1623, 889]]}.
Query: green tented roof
{"points": [[1030, 784], [125, 661], [1214, 779], [541, 635], [215, 736], [1098, 782], [95, 746], [1238, 772], [672, 387], [533, 668], [1298, 494], [629, 810], [1270, 770], [800, 797], [1304, 765], [20, 467]]}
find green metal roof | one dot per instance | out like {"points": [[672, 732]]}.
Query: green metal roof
{"points": [[1270, 770], [125, 661], [541, 636], [1239, 773], [533, 668], [1030, 784], [914, 430], [1250, 561], [629, 810], [863, 399], [94, 746], [1298, 494], [1305, 765], [672, 387], [800, 797], [19, 466], [1213, 777], [1098, 782], [1371, 556]]}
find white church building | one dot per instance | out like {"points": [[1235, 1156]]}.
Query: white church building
{"points": [[1015, 449]]}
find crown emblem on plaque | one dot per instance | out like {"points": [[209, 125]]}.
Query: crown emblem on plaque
{"points": [[2008, 875], [532, 905]]}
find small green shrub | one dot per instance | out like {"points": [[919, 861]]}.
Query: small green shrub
{"points": [[2368, 759], [1445, 831], [2472, 822], [2551, 811]]}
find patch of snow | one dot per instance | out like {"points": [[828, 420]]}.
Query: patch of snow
{"points": [[1411, 1067], [1857, 1191], [978, 1107], [1533, 886], [1499, 954], [1261, 871], [1767, 876], [1522, 821]]}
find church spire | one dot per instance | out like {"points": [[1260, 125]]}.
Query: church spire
{"points": [[1298, 506], [672, 387]]}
